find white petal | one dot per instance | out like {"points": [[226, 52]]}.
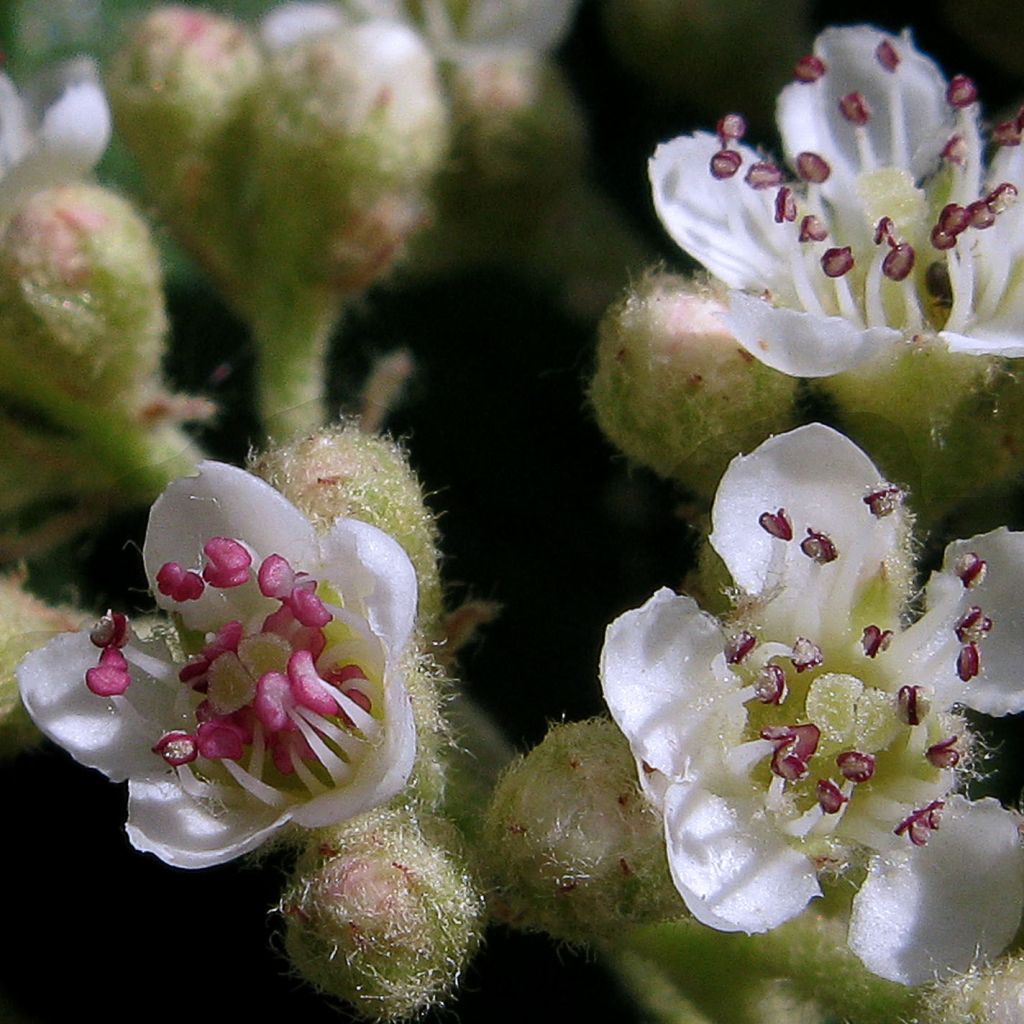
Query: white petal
{"points": [[221, 501], [372, 567], [820, 479], [191, 833], [292, 23], [382, 772], [15, 137], [1001, 336], [932, 911], [733, 867], [725, 224], [109, 734], [804, 344], [910, 119], [660, 685]]}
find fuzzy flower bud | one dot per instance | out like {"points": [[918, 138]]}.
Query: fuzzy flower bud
{"points": [[570, 841], [381, 915], [675, 391]]}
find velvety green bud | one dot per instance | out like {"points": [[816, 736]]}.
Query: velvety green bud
{"points": [[675, 391], [25, 624], [571, 844], [991, 995], [382, 915]]}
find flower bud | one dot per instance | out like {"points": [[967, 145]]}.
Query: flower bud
{"points": [[675, 391], [25, 624], [382, 915], [991, 995], [571, 843]]}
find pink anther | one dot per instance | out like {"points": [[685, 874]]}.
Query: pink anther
{"points": [[282, 747], [854, 107], [275, 577], [111, 630], [284, 624], [219, 742], [274, 701], [961, 92], [110, 677], [307, 686], [227, 564], [887, 56], [177, 748], [855, 765], [776, 523], [344, 674], [307, 608], [178, 583], [809, 68]]}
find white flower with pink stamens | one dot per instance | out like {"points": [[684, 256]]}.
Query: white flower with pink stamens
{"points": [[279, 697], [814, 731], [889, 226]]}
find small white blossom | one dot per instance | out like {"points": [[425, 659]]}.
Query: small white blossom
{"points": [[51, 143], [814, 731], [887, 228], [280, 698]]}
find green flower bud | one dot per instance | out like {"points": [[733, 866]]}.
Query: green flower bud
{"points": [[382, 914], [675, 391], [572, 845], [992, 995], [25, 624]]}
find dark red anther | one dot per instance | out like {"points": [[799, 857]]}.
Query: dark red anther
{"points": [[806, 654], [731, 127], [921, 823], [763, 175], [875, 640], [941, 240], [970, 569], [884, 231], [1008, 133], [1001, 197], [776, 523], [830, 796], [809, 68], [770, 685], [785, 205], [911, 705], [884, 501], [943, 754], [812, 229], [111, 630], [973, 625], [794, 747], [955, 150], [836, 262], [968, 661], [737, 647], [177, 748], [812, 168], [854, 107], [818, 547], [725, 163], [899, 262], [887, 56], [961, 92], [855, 765], [982, 215], [953, 219]]}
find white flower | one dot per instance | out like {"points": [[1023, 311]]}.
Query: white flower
{"points": [[893, 229], [285, 700], [812, 732], [44, 145]]}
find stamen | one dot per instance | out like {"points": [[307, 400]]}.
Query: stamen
{"points": [[884, 501], [941, 240], [308, 608], [770, 685], [812, 229], [899, 262], [943, 754], [1001, 197], [813, 168], [794, 747], [887, 56], [307, 686], [836, 262], [177, 748], [855, 765], [953, 219], [921, 823], [806, 654], [739, 646], [179, 584], [785, 205], [970, 569], [982, 215], [777, 524], [854, 107], [276, 578], [725, 163], [762, 175], [809, 68], [218, 742], [228, 562], [875, 640], [818, 547], [961, 92], [973, 625], [911, 705], [955, 151], [830, 796], [885, 232], [968, 662], [110, 677], [111, 630], [1009, 133], [731, 127]]}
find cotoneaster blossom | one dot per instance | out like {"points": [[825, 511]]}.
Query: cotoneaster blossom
{"points": [[815, 731], [278, 698], [41, 146], [887, 228]]}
